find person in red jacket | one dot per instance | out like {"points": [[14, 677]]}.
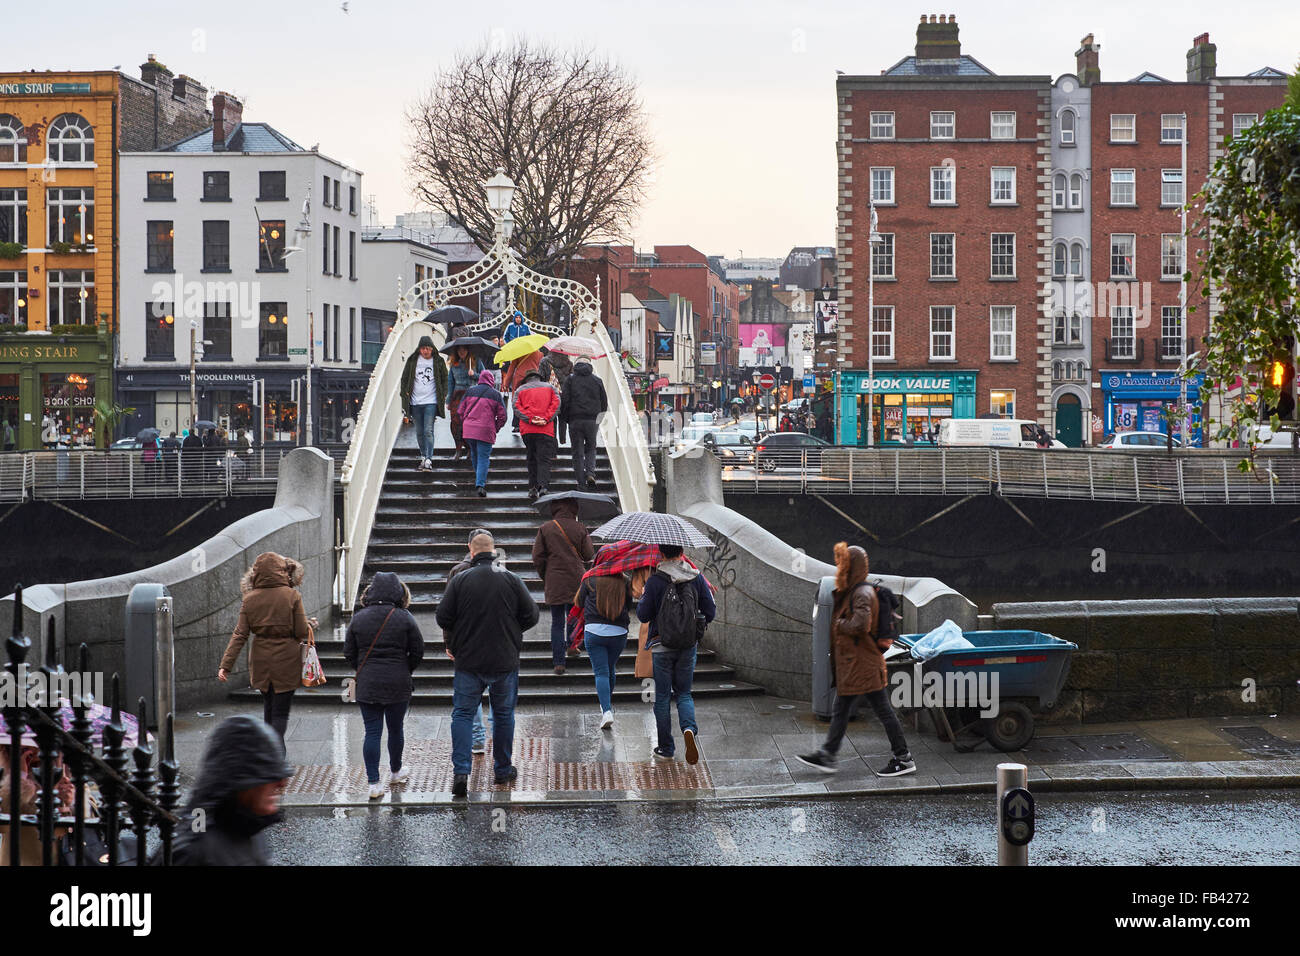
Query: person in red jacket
{"points": [[536, 404]]}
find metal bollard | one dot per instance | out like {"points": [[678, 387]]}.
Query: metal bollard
{"points": [[1015, 814], [165, 661]]}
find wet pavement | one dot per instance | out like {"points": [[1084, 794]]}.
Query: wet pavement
{"points": [[1191, 827]]}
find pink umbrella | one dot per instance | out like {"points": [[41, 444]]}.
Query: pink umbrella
{"points": [[575, 346], [99, 717]]}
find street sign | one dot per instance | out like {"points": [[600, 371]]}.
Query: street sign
{"points": [[297, 351], [1018, 816], [809, 383], [767, 381]]}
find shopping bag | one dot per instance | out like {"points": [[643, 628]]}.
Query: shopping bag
{"points": [[313, 675], [645, 666]]}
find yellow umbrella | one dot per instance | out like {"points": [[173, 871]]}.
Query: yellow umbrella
{"points": [[518, 348]]}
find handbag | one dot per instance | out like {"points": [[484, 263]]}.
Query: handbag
{"points": [[645, 666], [313, 675], [350, 692]]}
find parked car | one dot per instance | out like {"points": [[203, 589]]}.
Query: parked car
{"points": [[729, 445], [125, 444], [786, 449], [703, 418], [1271, 439], [1137, 441]]}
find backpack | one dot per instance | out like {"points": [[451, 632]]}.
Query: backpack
{"points": [[679, 621], [887, 615]]}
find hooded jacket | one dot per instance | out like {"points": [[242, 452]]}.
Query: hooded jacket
{"points": [[483, 615], [584, 395], [536, 399], [439, 378], [482, 410], [385, 677], [857, 663], [678, 571], [561, 552], [273, 615], [519, 369], [242, 753], [514, 330]]}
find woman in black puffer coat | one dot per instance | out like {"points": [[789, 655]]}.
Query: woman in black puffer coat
{"points": [[385, 645]]}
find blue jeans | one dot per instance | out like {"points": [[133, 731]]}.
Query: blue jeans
{"points": [[604, 652], [467, 691], [480, 454], [374, 716], [424, 417], [559, 634], [674, 672], [480, 727]]}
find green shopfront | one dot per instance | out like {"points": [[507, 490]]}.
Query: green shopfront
{"points": [[907, 404], [49, 385]]}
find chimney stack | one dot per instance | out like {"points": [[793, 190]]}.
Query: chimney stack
{"points": [[156, 74], [227, 114], [1202, 60], [1087, 62], [937, 39]]}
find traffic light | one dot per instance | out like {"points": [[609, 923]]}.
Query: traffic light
{"points": [[1282, 378]]}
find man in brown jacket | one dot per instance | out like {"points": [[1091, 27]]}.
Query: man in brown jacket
{"points": [[561, 554], [272, 614], [858, 663]]}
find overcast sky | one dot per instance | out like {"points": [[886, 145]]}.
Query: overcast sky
{"points": [[741, 95]]}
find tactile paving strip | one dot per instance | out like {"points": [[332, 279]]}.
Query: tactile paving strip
{"points": [[429, 762]]}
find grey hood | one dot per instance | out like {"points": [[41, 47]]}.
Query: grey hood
{"points": [[678, 570]]}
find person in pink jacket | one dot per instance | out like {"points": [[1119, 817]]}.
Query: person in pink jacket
{"points": [[482, 413]]}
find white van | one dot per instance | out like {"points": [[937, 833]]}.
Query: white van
{"points": [[996, 432]]}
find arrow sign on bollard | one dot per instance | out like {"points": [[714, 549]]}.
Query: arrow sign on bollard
{"points": [[1018, 816]]}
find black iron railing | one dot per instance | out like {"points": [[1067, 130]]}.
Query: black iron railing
{"points": [[137, 797]]}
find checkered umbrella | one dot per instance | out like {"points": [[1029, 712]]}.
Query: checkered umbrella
{"points": [[648, 527]]}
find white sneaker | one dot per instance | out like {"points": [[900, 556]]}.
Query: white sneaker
{"points": [[376, 790], [607, 720], [480, 748], [402, 775]]}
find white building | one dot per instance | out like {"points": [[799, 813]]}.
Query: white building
{"points": [[393, 259], [208, 232]]}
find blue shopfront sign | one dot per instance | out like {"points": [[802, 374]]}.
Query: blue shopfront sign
{"points": [[1140, 402]]}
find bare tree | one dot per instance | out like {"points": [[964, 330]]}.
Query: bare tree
{"points": [[569, 129]]}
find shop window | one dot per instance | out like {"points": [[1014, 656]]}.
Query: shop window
{"points": [[13, 297], [273, 331], [216, 330], [270, 241], [160, 332], [160, 185], [1003, 402], [13, 139], [72, 297], [279, 417], [13, 215], [71, 215], [68, 409], [70, 139], [216, 245]]}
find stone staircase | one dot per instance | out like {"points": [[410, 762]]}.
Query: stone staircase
{"points": [[422, 528]]}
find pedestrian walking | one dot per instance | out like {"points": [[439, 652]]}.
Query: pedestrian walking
{"points": [[513, 378], [483, 615], [561, 553], [463, 373], [556, 369], [606, 602], [678, 604], [581, 407], [482, 413], [482, 714], [237, 796], [516, 327], [272, 614], [384, 646], [424, 390], [538, 404], [858, 665]]}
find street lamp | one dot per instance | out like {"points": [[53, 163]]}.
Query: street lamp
{"points": [[303, 229], [873, 238], [778, 395], [500, 190], [757, 376]]}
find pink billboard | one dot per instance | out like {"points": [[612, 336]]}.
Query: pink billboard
{"points": [[762, 338]]}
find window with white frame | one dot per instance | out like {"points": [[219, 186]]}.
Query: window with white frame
{"points": [[942, 331], [1059, 254], [882, 256], [882, 332], [1122, 255], [1171, 256], [1123, 128], [1002, 332], [13, 296], [1058, 191], [72, 296], [71, 215], [1067, 329], [1243, 121], [1002, 401], [1123, 342], [1067, 127], [13, 139], [943, 125], [1002, 125], [1123, 187], [70, 139], [1076, 259], [943, 184], [1171, 127], [882, 125], [1002, 184], [13, 216], [1171, 187], [1002, 255], [1171, 331], [882, 184], [1076, 190], [1060, 323], [943, 255]]}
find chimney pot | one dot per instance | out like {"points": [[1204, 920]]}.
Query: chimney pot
{"points": [[1201, 40], [943, 18], [933, 18]]}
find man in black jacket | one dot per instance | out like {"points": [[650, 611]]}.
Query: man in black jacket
{"points": [[581, 406], [483, 615]]}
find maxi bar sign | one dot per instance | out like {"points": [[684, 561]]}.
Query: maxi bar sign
{"points": [[39, 89], [903, 383]]}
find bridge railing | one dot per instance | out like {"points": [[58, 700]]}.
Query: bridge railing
{"points": [[1190, 477]]}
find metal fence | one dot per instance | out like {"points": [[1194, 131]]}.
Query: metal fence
{"points": [[96, 473], [1187, 477]]}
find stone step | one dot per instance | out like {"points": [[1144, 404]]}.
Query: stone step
{"points": [[578, 673], [624, 692]]}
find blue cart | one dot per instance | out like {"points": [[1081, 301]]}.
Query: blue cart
{"points": [[1030, 667]]}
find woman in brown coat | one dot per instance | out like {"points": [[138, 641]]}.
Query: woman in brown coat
{"points": [[858, 663], [272, 614], [561, 554]]}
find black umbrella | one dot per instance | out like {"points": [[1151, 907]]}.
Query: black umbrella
{"points": [[590, 507], [452, 315], [203, 423], [477, 345], [147, 434]]}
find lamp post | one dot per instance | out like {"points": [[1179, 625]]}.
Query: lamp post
{"points": [[304, 230], [1182, 304], [757, 376], [872, 239], [778, 395]]}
